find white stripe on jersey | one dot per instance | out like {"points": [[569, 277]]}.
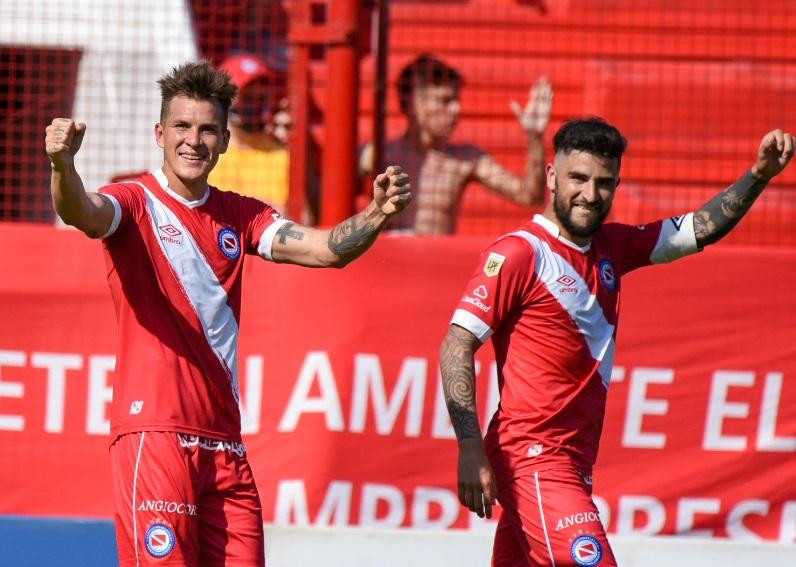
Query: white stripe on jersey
{"points": [[582, 306], [204, 291]]}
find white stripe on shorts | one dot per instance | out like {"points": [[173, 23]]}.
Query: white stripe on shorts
{"points": [[135, 483], [541, 516]]}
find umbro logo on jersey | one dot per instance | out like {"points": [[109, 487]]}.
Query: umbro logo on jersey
{"points": [[170, 234], [568, 283], [566, 280], [229, 243]]}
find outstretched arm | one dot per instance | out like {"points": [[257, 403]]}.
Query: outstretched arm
{"points": [[89, 212], [476, 481], [534, 117], [348, 240], [718, 216]]}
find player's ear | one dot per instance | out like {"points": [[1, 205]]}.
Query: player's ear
{"points": [[224, 141], [550, 173], [159, 135]]}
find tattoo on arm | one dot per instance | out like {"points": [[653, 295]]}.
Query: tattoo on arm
{"points": [[458, 381], [352, 237], [286, 231], [718, 216]]}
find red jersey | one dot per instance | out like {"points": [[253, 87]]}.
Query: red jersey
{"points": [[551, 308], [174, 269]]}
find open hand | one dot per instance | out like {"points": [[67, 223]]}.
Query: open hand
{"points": [[392, 191], [776, 149], [63, 140], [477, 485], [535, 116]]}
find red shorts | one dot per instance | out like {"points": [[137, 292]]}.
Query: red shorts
{"points": [[185, 500], [549, 518]]}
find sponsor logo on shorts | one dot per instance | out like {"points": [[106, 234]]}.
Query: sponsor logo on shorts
{"points": [[481, 292], [608, 275], [187, 440], [477, 302], [181, 508], [493, 264], [229, 243], [170, 234], [577, 519], [586, 550], [159, 540]]}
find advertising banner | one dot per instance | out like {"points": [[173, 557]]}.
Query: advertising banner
{"points": [[343, 413]]}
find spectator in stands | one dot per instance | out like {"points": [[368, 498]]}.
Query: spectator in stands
{"points": [[428, 91], [257, 161]]}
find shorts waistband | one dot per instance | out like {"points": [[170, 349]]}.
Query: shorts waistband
{"points": [[188, 440]]}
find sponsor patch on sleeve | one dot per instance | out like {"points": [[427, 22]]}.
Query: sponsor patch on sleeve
{"points": [[493, 264]]}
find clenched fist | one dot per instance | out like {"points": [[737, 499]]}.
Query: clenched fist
{"points": [[63, 140], [392, 191]]}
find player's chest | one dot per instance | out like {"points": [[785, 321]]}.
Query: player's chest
{"points": [[578, 284], [195, 243]]}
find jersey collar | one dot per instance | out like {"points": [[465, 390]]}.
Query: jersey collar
{"points": [[164, 184], [553, 229]]}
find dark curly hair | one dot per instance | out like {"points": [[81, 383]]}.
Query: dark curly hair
{"points": [[593, 135]]}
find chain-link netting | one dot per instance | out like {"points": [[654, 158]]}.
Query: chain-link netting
{"points": [[692, 85]]}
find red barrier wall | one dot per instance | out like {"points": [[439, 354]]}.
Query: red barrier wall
{"points": [[344, 421]]}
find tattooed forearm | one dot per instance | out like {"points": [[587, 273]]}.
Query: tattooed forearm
{"points": [[352, 237], [458, 381], [286, 231], [718, 216]]}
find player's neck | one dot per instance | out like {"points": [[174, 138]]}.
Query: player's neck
{"points": [[550, 215], [192, 190]]}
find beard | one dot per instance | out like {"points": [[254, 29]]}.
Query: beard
{"points": [[563, 212]]}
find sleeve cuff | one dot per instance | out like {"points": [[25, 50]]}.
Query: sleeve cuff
{"points": [[266, 246], [117, 215], [677, 239], [468, 321]]}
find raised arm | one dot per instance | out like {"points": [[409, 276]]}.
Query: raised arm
{"points": [[476, 481], [348, 240], [718, 216], [529, 189], [89, 212]]}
